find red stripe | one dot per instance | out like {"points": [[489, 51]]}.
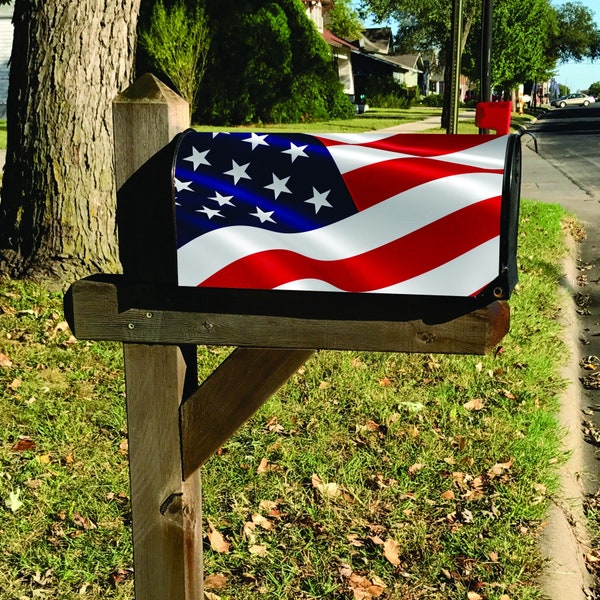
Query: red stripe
{"points": [[420, 144], [400, 260], [377, 182]]}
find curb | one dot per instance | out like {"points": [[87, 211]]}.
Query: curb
{"points": [[565, 541]]}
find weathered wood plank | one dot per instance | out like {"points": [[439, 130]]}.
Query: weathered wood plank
{"points": [[232, 393], [95, 314], [166, 511], [166, 514]]}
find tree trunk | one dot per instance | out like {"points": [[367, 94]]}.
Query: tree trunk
{"points": [[57, 211]]}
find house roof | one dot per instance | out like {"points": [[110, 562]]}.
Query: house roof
{"points": [[386, 60], [377, 40], [334, 40]]}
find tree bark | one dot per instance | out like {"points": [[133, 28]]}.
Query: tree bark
{"points": [[57, 210]]}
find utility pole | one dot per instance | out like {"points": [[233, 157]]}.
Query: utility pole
{"points": [[457, 12]]}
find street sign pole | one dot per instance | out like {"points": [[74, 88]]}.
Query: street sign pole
{"points": [[457, 11]]}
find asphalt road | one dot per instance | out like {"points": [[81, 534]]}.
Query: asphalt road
{"points": [[569, 139]]}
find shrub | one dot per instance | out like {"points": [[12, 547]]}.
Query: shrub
{"points": [[268, 63], [177, 41], [383, 91], [435, 100]]}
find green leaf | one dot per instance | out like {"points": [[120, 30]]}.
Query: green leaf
{"points": [[13, 502]]}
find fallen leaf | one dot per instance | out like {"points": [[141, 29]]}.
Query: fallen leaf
{"points": [[12, 502], [262, 522], [355, 540], [217, 542], [217, 581], [415, 468], [15, 384], [263, 466], [268, 505], [475, 404], [385, 382], [324, 385], [505, 597], [83, 522], [258, 550], [119, 576], [124, 447], [362, 588], [391, 551], [372, 425], [5, 361], [327, 490], [211, 596], [474, 596], [44, 459], [448, 495], [499, 469], [23, 444]]}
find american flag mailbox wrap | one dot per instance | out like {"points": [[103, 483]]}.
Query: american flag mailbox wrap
{"points": [[381, 220]]}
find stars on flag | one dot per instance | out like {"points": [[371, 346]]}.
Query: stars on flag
{"points": [[238, 172], [198, 158], [263, 215], [256, 140], [279, 186], [210, 213], [183, 185], [280, 182], [319, 199], [296, 151], [222, 200]]}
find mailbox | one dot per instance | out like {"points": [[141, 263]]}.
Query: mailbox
{"points": [[378, 223]]}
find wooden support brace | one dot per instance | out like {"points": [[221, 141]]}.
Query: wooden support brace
{"points": [[232, 393]]}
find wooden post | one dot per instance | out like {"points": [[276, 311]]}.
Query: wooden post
{"points": [[166, 511]]}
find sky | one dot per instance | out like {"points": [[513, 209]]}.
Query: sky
{"points": [[577, 76]]}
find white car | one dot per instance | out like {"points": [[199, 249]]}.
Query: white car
{"points": [[577, 99]]}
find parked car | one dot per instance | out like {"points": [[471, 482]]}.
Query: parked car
{"points": [[577, 99]]}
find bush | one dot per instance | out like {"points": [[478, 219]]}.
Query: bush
{"points": [[177, 41], [434, 100], [383, 91], [268, 64]]}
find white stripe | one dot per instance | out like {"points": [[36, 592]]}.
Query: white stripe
{"points": [[462, 276], [371, 228], [489, 155], [356, 138]]}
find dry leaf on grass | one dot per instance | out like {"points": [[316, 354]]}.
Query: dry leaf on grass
{"points": [[23, 444], [475, 404], [217, 581], [258, 550], [217, 542], [391, 551]]}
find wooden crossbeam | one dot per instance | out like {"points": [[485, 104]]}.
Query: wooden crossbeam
{"points": [[95, 313]]}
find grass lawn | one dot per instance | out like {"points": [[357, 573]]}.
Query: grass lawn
{"points": [[368, 475]]}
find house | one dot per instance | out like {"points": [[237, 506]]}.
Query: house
{"points": [[342, 54], [316, 11], [6, 37], [341, 49]]}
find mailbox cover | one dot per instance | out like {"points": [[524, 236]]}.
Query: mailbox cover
{"points": [[372, 213]]}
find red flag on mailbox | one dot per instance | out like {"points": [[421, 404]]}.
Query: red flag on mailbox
{"points": [[377, 212]]}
